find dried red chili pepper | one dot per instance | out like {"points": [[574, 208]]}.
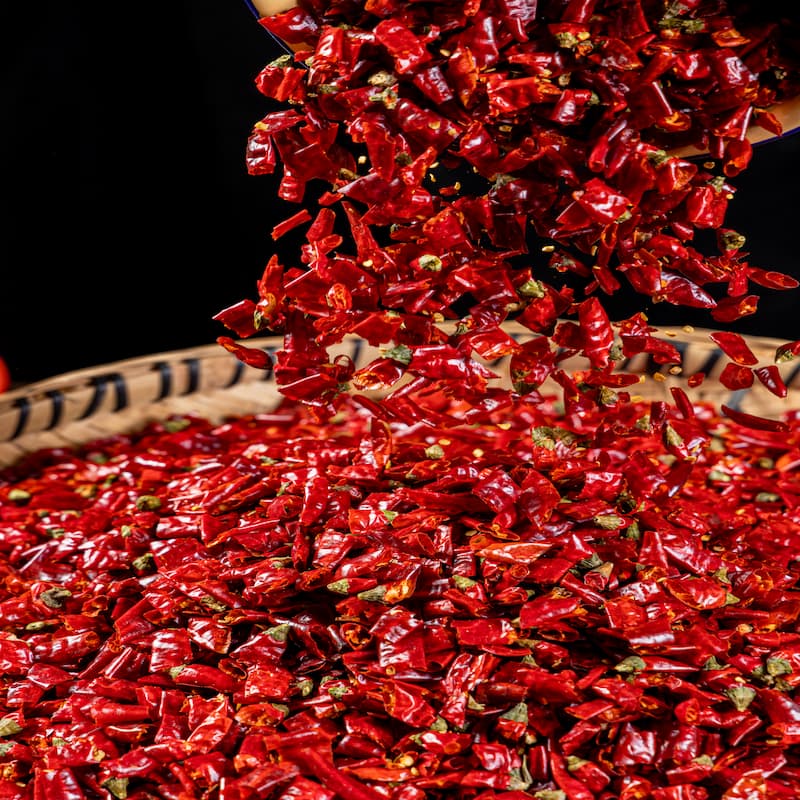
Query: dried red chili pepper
{"points": [[754, 421], [735, 347], [461, 588], [771, 378], [5, 376], [628, 198], [202, 682]]}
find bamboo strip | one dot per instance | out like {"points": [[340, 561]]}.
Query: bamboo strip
{"points": [[74, 408]]}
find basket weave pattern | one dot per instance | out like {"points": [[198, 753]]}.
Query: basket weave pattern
{"points": [[78, 407]]}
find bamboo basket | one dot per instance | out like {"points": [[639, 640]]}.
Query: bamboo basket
{"points": [[75, 408]]}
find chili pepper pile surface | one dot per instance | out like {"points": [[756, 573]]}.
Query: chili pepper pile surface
{"points": [[470, 588], [286, 608]]}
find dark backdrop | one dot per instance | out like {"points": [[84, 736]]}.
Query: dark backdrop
{"points": [[128, 219]]}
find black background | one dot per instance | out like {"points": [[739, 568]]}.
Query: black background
{"points": [[128, 219]]}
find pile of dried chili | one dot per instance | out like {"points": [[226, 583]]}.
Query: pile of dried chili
{"points": [[285, 608], [469, 589]]}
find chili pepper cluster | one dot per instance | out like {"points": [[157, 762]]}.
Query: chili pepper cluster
{"points": [[415, 580], [475, 163], [280, 607]]}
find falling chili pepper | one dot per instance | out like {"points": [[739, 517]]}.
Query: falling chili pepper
{"points": [[460, 590], [603, 185]]}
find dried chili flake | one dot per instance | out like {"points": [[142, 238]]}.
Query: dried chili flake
{"points": [[734, 346], [292, 222], [736, 377]]}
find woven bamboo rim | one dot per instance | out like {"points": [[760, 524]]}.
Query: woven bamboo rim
{"points": [[75, 408]]}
